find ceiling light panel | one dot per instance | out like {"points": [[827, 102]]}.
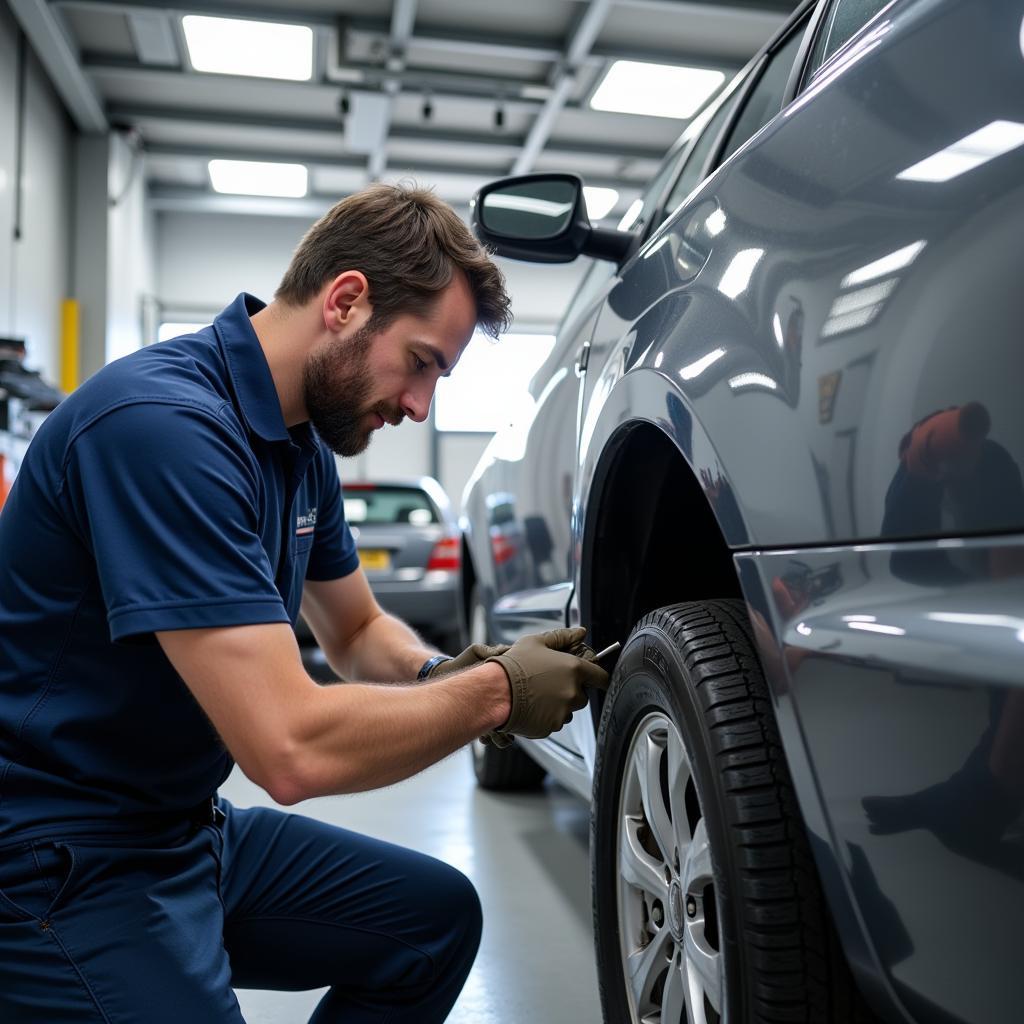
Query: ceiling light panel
{"points": [[657, 90], [262, 49], [256, 178]]}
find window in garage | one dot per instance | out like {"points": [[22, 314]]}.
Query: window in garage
{"points": [[489, 386], [175, 329]]}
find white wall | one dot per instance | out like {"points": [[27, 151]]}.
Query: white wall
{"points": [[34, 271], [130, 272], [204, 260]]}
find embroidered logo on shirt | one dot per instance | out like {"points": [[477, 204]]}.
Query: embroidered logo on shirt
{"points": [[305, 524]]}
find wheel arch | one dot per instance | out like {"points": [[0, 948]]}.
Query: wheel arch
{"points": [[678, 561]]}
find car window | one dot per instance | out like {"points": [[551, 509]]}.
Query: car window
{"points": [[693, 172], [843, 21], [765, 100], [651, 199], [376, 504]]}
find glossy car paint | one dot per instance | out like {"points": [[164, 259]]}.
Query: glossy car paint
{"points": [[786, 329]]}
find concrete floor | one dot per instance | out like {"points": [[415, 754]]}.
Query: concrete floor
{"points": [[527, 856]]}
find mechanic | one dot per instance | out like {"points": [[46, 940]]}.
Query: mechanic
{"points": [[170, 516]]}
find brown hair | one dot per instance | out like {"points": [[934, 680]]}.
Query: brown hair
{"points": [[409, 244]]}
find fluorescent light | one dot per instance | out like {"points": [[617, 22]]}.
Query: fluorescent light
{"points": [[230, 46], [970, 619], [715, 223], [658, 90], [883, 267], [803, 629], [777, 328], [630, 216], [877, 627], [871, 295], [695, 369], [979, 147], [255, 178], [599, 201], [737, 275], [753, 380]]}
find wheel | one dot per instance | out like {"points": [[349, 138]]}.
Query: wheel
{"points": [[496, 768], [707, 905]]}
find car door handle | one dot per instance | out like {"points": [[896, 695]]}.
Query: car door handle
{"points": [[582, 359]]}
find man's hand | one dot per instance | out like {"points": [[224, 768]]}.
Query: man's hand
{"points": [[547, 681], [473, 655]]}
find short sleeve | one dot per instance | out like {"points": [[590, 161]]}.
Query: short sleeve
{"points": [[167, 498], [334, 550]]}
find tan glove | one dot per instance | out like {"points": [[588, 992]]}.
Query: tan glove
{"points": [[473, 655], [547, 681]]}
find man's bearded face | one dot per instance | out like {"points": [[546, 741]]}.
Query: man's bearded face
{"points": [[336, 384]]}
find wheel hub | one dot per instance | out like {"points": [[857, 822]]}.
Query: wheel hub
{"points": [[676, 911]]}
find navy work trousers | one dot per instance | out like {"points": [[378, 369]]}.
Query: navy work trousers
{"points": [[159, 930]]}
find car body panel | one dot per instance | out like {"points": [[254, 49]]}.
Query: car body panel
{"points": [[896, 671], [796, 329]]}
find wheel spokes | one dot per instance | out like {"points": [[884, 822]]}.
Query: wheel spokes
{"points": [[645, 966], [637, 866], [649, 753], [673, 999]]}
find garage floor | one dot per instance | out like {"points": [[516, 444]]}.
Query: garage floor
{"points": [[527, 856]]}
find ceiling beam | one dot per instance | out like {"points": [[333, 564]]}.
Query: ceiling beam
{"points": [[564, 81], [59, 57], [450, 84], [403, 15], [446, 39], [132, 115], [347, 161], [298, 15]]}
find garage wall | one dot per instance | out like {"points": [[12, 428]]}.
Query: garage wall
{"points": [[35, 271], [203, 260]]}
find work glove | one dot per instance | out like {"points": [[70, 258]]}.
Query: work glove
{"points": [[473, 655], [547, 673]]}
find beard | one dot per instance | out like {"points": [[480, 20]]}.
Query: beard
{"points": [[336, 385]]}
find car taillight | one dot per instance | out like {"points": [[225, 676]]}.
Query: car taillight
{"points": [[502, 550], [446, 554]]}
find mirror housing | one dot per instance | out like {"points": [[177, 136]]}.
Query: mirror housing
{"points": [[571, 235]]}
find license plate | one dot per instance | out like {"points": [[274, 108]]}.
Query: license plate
{"points": [[373, 558]]}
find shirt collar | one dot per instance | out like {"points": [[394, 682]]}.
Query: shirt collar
{"points": [[250, 374]]}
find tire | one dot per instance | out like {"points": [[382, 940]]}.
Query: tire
{"points": [[505, 769], [704, 885], [496, 768]]}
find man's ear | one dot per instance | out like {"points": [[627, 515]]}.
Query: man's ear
{"points": [[346, 301]]}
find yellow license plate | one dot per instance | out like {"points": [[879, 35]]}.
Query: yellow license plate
{"points": [[371, 558]]}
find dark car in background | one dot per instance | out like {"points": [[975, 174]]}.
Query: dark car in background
{"points": [[408, 542], [776, 453]]}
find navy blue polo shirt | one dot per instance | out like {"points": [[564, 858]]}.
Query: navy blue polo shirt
{"points": [[165, 493]]}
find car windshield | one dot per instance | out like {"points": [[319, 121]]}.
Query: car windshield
{"points": [[377, 503]]}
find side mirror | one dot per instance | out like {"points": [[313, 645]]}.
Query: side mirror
{"points": [[542, 218]]}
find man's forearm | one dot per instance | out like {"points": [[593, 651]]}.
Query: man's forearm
{"points": [[362, 736], [384, 650]]}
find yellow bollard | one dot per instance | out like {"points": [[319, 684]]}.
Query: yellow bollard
{"points": [[69, 328]]}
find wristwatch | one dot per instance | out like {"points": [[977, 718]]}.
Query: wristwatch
{"points": [[430, 664]]}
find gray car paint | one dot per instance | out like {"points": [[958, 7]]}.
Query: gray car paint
{"points": [[794, 430]]}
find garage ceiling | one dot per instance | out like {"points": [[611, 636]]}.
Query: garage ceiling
{"points": [[461, 91]]}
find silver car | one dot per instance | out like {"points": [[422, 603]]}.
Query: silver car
{"points": [[408, 543], [776, 452]]}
